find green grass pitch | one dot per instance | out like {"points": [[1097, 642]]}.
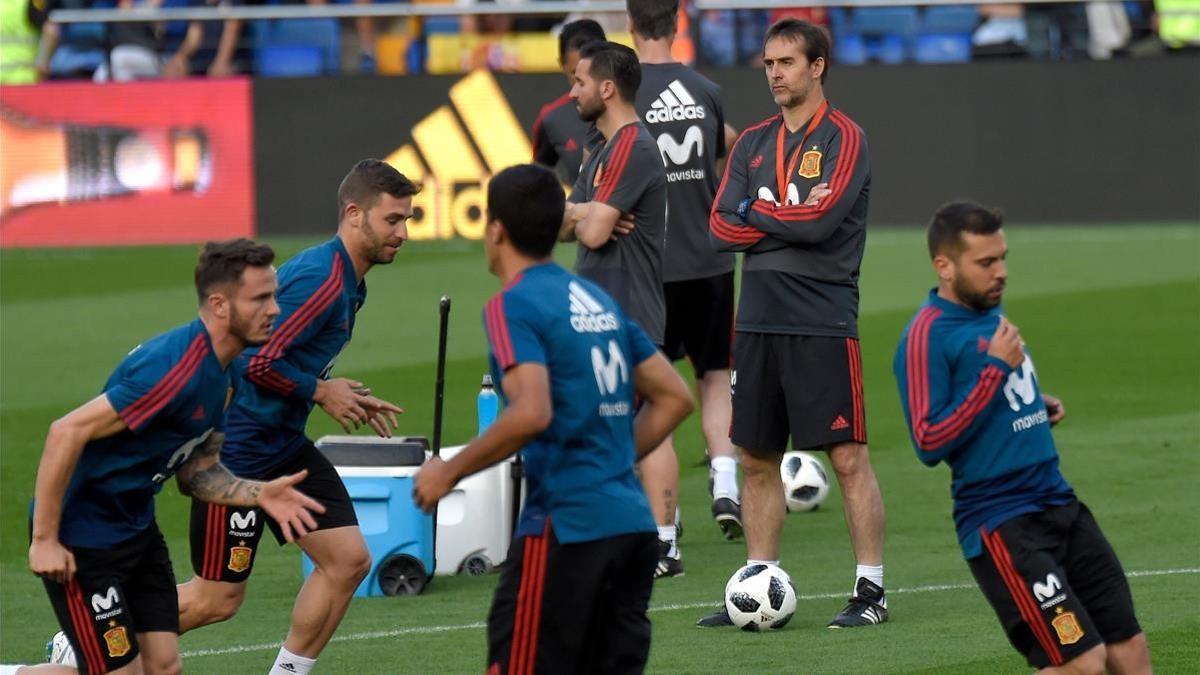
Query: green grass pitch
{"points": [[1111, 313]]}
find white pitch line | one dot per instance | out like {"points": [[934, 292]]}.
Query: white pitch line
{"points": [[424, 630]]}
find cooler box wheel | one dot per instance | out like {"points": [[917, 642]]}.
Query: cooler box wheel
{"points": [[402, 575]]}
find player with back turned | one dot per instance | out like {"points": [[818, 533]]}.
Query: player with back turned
{"points": [[972, 400], [682, 110], [797, 365], [559, 135], [94, 537], [574, 593]]}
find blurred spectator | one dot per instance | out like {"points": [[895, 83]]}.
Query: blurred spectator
{"points": [[1057, 30], [18, 42], [1179, 23], [1002, 34], [1108, 28]]}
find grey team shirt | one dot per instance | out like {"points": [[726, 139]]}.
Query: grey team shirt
{"points": [[559, 137], [627, 174], [682, 111], [801, 268]]}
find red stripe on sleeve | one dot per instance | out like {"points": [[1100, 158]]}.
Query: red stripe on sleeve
{"points": [[617, 161], [931, 437], [141, 410], [498, 332], [312, 307], [917, 348], [259, 370], [735, 234]]}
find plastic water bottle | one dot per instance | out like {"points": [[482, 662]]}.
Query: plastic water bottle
{"points": [[487, 404]]}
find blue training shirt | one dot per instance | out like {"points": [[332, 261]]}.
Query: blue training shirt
{"points": [[319, 296], [979, 415], [579, 471], [171, 393]]}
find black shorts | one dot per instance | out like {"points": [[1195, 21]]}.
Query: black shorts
{"points": [[116, 593], [1055, 584], [807, 386], [573, 608], [225, 538], [700, 322]]}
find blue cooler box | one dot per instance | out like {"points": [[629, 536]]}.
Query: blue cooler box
{"points": [[378, 473]]}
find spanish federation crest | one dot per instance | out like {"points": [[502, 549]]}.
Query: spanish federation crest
{"points": [[117, 640], [239, 558], [810, 164], [1067, 626]]}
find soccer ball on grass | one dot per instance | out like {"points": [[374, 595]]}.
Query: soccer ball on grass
{"points": [[760, 597], [805, 485]]}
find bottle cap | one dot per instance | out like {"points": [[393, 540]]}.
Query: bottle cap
{"points": [[487, 381]]}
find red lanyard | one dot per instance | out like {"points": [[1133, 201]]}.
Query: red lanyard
{"points": [[781, 175]]}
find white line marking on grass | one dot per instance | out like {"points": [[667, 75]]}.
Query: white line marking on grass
{"points": [[424, 630]]}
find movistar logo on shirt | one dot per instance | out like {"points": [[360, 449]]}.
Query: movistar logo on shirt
{"points": [[675, 103], [587, 314]]}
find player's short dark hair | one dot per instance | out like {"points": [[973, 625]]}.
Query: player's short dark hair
{"points": [[813, 37], [528, 201], [369, 179], [576, 34], [616, 62], [951, 220], [653, 19], [222, 262]]}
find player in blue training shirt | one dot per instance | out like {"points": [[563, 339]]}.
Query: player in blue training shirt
{"points": [[320, 291], [971, 400], [94, 539], [574, 593]]}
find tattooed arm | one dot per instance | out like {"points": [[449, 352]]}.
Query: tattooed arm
{"points": [[205, 478]]}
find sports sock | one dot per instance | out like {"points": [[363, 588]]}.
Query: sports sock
{"points": [[763, 562], [288, 663], [872, 573], [667, 533], [724, 477]]}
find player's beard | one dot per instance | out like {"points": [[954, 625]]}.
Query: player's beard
{"points": [[976, 300], [243, 329], [377, 250], [591, 113]]}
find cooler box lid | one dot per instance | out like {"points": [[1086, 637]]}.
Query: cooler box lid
{"points": [[371, 451]]}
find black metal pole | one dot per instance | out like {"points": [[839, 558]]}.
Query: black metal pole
{"points": [[439, 397]]}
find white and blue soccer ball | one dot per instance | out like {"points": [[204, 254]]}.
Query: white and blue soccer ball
{"points": [[805, 483], [760, 597], [59, 650]]}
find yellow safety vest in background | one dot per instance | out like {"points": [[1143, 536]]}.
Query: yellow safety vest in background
{"points": [[1178, 22], [18, 44]]}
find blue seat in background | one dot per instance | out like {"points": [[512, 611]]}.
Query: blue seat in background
{"points": [[850, 49], [943, 48], [435, 25], [951, 19], [288, 61], [900, 21], [305, 40], [890, 49]]}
